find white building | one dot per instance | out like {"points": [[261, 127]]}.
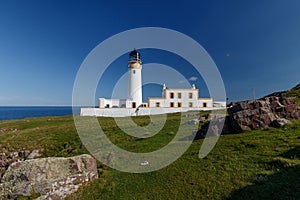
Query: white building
{"points": [[172, 100], [180, 98]]}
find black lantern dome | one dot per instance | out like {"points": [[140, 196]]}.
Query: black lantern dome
{"points": [[134, 56]]}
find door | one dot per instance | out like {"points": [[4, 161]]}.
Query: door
{"points": [[133, 104]]}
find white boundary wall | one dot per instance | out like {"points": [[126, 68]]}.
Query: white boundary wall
{"points": [[125, 112]]}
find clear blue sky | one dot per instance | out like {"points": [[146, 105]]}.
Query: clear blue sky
{"points": [[255, 44]]}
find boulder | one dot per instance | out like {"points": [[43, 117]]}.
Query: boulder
{"points": [[35, 154], [4, 161], [7, 159], [13, 155], [24, 154], [215, 125], [52, 178], [281, 122]]}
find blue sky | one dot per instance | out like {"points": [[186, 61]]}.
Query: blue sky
{"points": [[255, 44]]}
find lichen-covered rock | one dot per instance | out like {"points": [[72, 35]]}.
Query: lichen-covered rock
{"points": [[52, 178], [6, 158]]}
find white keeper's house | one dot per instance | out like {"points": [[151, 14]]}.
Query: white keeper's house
{"points": [[172, 100]]}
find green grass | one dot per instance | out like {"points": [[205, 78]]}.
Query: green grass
{"points": [[297, 101], [294, 92], [57, 135], [261, 164]]}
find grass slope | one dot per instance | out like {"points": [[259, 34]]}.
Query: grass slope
{"points": [[294, 92], [261, 164]]}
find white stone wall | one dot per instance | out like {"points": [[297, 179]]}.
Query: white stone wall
{"points": [[115, 103], [123, 112], [118, 103], [128, 104], [219, 103]]}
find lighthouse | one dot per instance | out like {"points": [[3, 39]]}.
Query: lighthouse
{"points": [[173, 99], [135, 79]]}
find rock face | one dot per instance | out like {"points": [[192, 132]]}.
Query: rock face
{"points": [[248, 115], [52, 178]]}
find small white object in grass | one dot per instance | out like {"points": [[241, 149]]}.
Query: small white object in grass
{"points": [[144, 163]]}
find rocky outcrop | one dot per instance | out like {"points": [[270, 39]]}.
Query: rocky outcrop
{"points": [[51, 178], [248, 115]]}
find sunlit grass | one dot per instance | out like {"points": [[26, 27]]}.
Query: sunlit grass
{"points": [[232, 170]]}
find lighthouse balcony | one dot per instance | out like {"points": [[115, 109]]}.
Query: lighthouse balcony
{"points": [[134, 59]]}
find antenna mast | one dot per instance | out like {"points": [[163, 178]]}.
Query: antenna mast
{"points": [[253, 93]]}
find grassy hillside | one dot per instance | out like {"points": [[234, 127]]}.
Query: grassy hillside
{"points": [[294, 92], [261, 164]]}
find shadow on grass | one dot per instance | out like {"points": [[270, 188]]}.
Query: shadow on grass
{"points": [[284, 184], [292, 153]]}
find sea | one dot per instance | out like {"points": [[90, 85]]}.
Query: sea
{"points": [[21, 112]]}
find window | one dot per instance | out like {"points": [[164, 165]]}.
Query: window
{"points": [[172, 104], [171, 95], [133, 71], [204, 105], [190, 104], [157, 104], [178, 104], [190, 95], [179, 95], [133, 105]]}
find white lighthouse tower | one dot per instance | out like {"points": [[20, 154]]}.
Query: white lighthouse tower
{"points": [[135, 79]]}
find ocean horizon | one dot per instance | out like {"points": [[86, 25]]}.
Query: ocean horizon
{"points": [[21, 112]]}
